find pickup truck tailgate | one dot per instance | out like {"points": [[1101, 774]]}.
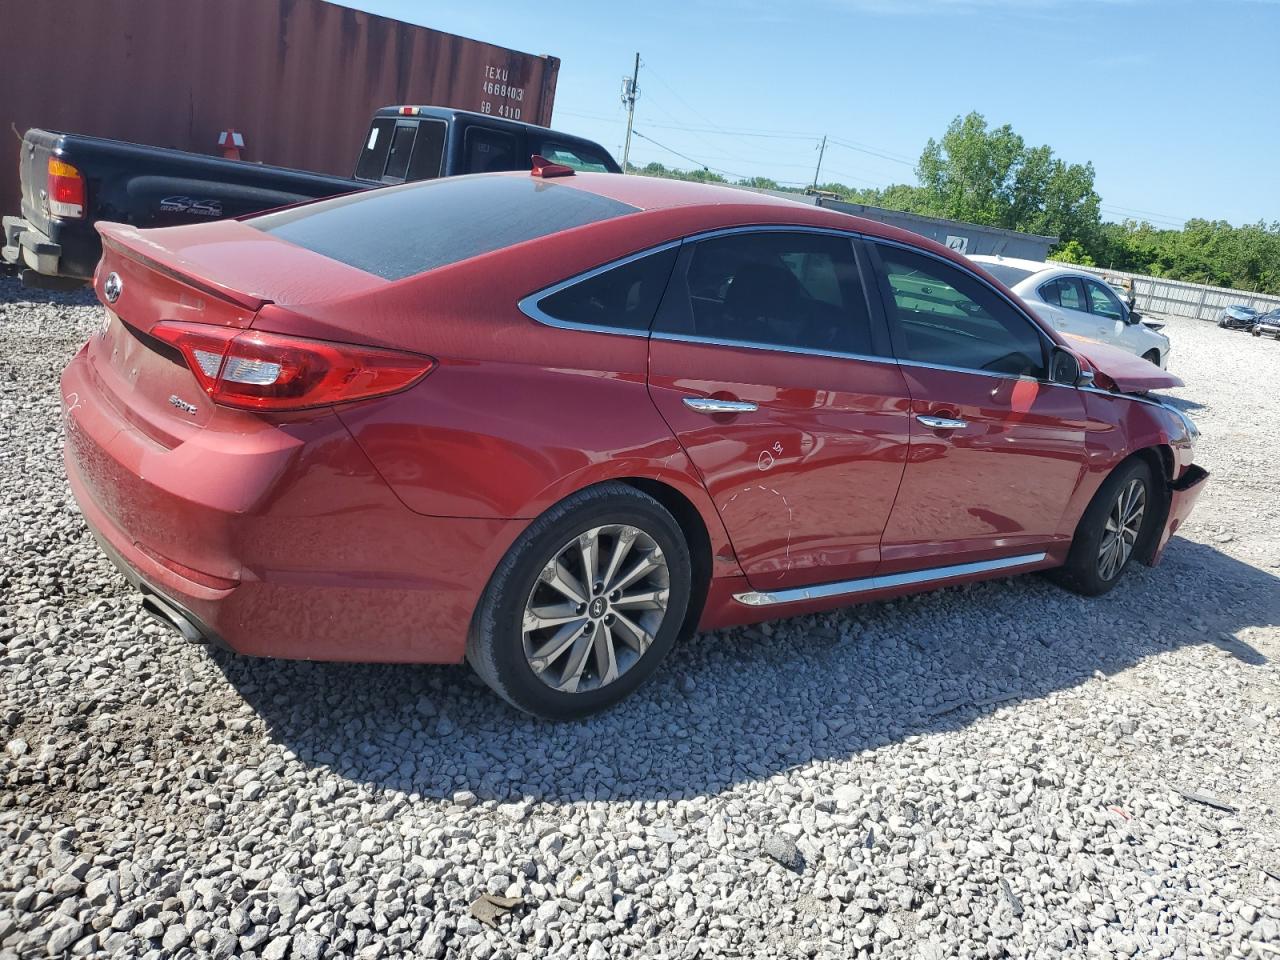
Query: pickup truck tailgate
{"points": [[33, 172]]}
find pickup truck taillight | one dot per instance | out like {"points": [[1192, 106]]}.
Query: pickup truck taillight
{"points": [[65, 190], [254, 370]]}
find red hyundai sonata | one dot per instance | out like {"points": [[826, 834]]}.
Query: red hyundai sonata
{"points": [[553, 423]]}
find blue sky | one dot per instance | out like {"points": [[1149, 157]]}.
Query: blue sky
{"points": [[1176, 102]]}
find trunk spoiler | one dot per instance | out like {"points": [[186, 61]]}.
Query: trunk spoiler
{"points": [[132, 243]]}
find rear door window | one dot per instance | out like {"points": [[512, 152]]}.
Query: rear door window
{"points": [[797, 291], [490, 150], [621, 297], [395, 232]]}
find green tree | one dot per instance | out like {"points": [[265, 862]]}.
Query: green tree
{"points": [[990, 176], [1072, 252]]}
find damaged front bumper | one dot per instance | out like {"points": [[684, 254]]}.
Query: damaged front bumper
{"points": [[1183, 494]]}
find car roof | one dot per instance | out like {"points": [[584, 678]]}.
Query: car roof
{"points": [[709, 206], [1039, 271], [1035, 266]]}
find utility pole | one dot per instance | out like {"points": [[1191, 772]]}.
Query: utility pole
{"points": [[821, 151], [629, 93]]}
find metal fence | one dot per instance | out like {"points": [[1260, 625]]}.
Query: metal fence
{"points": [[1177, 298]]}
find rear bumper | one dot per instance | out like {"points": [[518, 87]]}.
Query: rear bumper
{"points": [[70, 255], [292, 547], [1183, 494]]}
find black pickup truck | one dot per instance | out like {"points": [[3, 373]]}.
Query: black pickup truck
{"points": [[69, 182]]}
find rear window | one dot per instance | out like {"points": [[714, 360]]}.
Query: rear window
{"points": [[1006, 273], [395, 232]]}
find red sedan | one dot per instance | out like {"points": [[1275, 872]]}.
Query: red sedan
{"points": [[552, 423]]}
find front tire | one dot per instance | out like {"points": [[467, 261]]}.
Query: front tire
{"points": [[585, 605], [1152, 356], [1119, 519]]}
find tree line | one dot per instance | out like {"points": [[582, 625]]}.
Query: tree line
{"points": [[989, 175]]}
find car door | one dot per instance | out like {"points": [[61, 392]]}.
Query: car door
{"points": [[771, 367], [996, 450], [1068, 305]]}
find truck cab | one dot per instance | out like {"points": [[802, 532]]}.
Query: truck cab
{"points": [[420, 143]]}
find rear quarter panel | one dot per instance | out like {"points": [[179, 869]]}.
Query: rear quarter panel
{"points": [[518, 415]]}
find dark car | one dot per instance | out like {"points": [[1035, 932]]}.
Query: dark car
{"points": [[1267, 325], [553, 423], [70, 182]]}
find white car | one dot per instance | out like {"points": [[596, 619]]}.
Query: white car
{"points": [[1078, 304]]}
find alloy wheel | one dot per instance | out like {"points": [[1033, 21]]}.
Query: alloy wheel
{"points": [[595, 608], [1124, 523]]}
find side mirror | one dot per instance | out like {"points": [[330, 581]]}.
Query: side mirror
{"points": [[1064, 367]]}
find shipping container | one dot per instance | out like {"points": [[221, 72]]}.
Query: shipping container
{"points": [[299, 79]]}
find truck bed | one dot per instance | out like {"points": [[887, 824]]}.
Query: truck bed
{"points": [[143, 186]]}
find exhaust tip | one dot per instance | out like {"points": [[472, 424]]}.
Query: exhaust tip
{"points": [[172, 617]]}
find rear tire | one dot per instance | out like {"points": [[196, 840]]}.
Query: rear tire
{"points": [[1117, 522], [563, 629]]}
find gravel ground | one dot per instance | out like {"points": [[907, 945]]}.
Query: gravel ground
{"points": [[998, 770]]}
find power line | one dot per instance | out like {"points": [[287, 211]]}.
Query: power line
{"points": [[1125, 213], [736, 133], [874, 153], [858, 145], [1150, 213], [683, 156]]}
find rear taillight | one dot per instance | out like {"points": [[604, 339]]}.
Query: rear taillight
{"points": [[65, 188], [267, 371]]}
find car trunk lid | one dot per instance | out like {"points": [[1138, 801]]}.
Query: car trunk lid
{"points": [[218, 274]]}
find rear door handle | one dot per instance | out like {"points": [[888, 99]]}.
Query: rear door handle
{"points": [[941, 423], [711, 405]]}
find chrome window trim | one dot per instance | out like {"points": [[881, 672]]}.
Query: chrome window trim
{"points": [[770, 347], [529, 305], [753, 598], [982, 373]]}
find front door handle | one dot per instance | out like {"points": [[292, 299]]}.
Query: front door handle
{"points": [[711, 405], [941, 423]]}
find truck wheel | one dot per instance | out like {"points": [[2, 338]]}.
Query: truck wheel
{"points": [[585, 605], [1119, 518]]}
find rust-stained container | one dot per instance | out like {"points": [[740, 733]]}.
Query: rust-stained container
{"points": [[300, 79]]}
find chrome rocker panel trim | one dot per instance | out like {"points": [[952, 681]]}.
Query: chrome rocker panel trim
{"points": [[824, 591]]}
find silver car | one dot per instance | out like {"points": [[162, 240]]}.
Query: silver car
{"points": [[1078, 304]]}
